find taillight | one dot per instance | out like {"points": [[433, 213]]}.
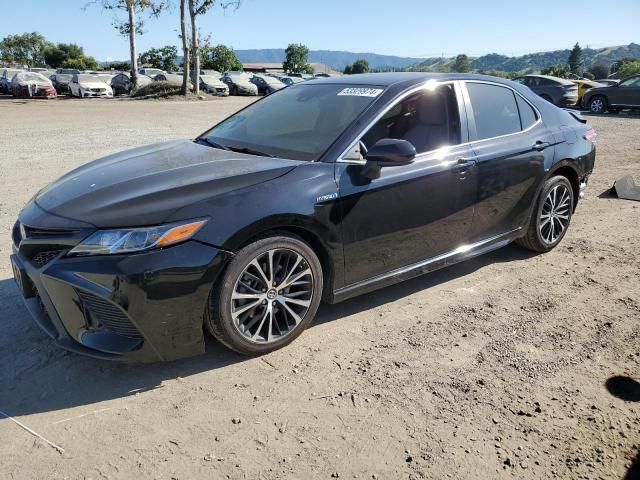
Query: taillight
{"points": [[590, 135]]}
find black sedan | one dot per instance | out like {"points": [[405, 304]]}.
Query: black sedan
{"points": [[244, 230], [558, 91], [624, 95]]}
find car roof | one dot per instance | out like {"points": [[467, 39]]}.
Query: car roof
{"points": [[552, 78], [388, 79]]}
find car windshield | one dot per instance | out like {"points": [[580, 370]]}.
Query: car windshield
{"points": [[30, 77], [89, 78], [209, 79], [300, 122]]}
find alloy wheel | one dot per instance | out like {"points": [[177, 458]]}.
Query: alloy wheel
{"points": [[597, 105], [555, 215], [272, 295]]}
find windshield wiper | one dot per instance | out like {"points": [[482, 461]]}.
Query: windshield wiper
{"points": [[213, 144], [250, 151]]}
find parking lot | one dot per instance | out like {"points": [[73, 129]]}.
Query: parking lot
{"points": [[510, 365]]}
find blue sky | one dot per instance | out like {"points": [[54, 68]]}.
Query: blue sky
{"points": [[418, 28]]}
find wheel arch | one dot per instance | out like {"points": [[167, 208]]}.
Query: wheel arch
{"points": [[322, 241], [566, 169]]}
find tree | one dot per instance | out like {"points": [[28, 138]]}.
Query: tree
{"points": [[133, 25], [561, 71], [616, 66], [25, 49], [186, 49], [220, 58], [576, 60], [165, 58], [196, 9], [628, 69], [359, 66], [599, 70], [69, 55], [461, 64], [296, 60]]}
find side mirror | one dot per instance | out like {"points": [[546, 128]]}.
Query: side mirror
{"points": [[390, 152], [387, 152]]}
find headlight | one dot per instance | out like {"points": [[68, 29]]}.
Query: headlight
{"points": [[126, 240]]}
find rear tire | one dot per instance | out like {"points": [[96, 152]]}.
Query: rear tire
{"points": [[598, 104], [551, 217], [267, 296]]}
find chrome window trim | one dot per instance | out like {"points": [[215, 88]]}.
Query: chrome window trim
{"points": [[535, 109], [460, 88]]}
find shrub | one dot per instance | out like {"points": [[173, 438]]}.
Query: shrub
{"points": [[157, 90]]}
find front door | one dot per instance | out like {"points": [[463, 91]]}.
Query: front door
{"points": [[626, 93], [416, 211]]}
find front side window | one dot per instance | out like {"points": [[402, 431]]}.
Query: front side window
{"points": [[630, 83], [494, 110], [428, 120], [300, 122]]}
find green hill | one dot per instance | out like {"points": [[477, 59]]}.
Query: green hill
{"points": [[533, 62]]}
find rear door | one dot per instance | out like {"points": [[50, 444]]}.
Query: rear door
{"points": [[416, 211], [511, 144]]}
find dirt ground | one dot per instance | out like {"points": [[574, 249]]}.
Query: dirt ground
{"points": [[511, 365]]}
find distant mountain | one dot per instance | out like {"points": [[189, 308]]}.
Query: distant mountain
{"points": [[534, 62], [335, 59]]}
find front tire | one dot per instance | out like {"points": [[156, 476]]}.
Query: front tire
{"points": [[598, 104], [551, 218], [268, 295]]}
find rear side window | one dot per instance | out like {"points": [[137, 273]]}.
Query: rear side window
{"points": [[494, 109], [527, 114]]}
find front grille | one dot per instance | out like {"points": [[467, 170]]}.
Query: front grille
{"points": [[108, 315], [40, 259], [221, 89], [97, 90], [33, 232]]}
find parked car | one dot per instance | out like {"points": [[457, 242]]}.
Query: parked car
{"points": [[244, 230], [61, 82], [304, 76], [290, 80], [212, 84], [583, 87], [121, 83], [266, 85], [85, 85], [6, 76], [172, 78], [624, 95], [32, 85], [239, 84], [68, 71], [151, 72], [558, 91]]}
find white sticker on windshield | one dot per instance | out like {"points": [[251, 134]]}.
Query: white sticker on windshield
{"points": [[361, 92]]}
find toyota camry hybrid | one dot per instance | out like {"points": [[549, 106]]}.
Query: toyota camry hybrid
{"points": [[321, 191]]}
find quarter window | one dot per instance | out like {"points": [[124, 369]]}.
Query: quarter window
{"points": [[494, 110], [527, 114]]}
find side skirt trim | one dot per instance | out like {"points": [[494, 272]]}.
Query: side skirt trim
{"points": [[431, 264]]}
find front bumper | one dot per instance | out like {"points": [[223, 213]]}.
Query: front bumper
{"points": [[138, 307], [88, 94]]}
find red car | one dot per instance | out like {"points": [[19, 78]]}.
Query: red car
{"points": [[32, 85]]}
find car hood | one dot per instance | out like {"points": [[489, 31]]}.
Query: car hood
{"points": [[241, 82], [93, 84], [145, 185]]}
